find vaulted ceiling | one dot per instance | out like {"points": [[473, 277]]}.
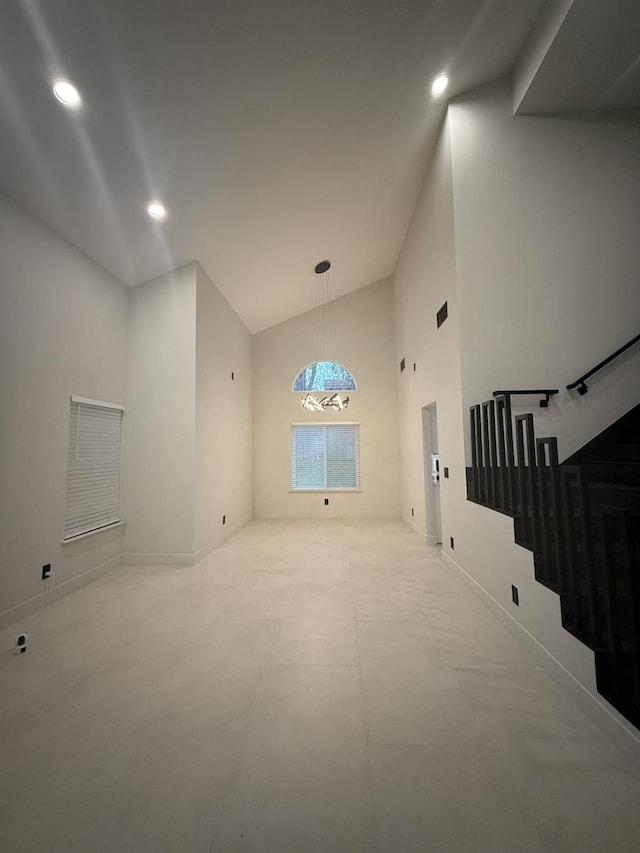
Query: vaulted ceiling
{"points": [[276, 132]]}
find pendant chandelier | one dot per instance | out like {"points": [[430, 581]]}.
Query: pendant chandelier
{"points": [[333, 402], [324, 372]]}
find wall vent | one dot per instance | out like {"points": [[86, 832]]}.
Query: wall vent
{"points": [[442, 315]]}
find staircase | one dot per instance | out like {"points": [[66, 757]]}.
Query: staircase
{"points": [[581, 520]]}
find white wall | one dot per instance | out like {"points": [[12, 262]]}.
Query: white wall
{"points": [[425, 278], [63, 331], [548, 264], [364, 332], [159, 493], [224, 428], [548, 257], [529, 227]]}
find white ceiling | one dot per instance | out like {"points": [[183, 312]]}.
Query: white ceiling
{"points": [[590, 59], [277, 132]]}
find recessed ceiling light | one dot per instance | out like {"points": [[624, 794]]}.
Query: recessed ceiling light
{"points": [[439, 84], [156, 210], [67, 93]]}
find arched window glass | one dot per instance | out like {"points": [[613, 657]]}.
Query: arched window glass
{"points": [[324, 376]]}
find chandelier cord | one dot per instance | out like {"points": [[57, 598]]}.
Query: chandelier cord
{"points": [[324, 337], [323, 334]]}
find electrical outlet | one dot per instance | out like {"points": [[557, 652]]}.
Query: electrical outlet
{"points": [[446, 473], [21, 644], [326, 501], [515, 597], [46, 571]]}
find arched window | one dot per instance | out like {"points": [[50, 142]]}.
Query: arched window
{"points": [[324, 376]]}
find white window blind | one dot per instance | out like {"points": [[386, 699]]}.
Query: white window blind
{"points": [[93, 466], [325, 456]]}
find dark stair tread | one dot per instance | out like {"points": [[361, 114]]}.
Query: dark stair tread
{"points": [[629, 453], [623, 487], [613, 473]]}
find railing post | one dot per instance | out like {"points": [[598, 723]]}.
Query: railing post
{"points": [[511, 462], [526, 447], [549, 572], [489, 451], [495, 478], [476, 451], [502, 453]]}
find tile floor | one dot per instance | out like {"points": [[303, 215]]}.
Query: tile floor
{"points": [[309, 686]]}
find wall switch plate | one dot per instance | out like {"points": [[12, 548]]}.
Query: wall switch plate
{"points": [[412, 512], [515, 597], [224, 519], [451, 540], [326, 501]]}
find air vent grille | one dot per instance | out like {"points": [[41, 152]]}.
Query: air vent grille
{"points": [[442, 315]]}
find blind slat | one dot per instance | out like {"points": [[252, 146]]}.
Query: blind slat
{"points": [[93, 468], [325, 456]]}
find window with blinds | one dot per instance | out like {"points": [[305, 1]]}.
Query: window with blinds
{"points": [[325, 456], [93, 466]]}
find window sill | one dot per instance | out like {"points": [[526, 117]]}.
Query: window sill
{"points": [[92, 532], [325, 491]]}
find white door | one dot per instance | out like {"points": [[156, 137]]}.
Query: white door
{"points": [[431, 473]]}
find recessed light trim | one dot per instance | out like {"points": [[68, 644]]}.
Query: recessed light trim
{"points": [[156, 210], [439, 84], [67, 93]]}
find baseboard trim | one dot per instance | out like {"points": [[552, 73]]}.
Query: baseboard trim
{"points": [[411, 523], [201, 553], [429, 538], [218, 540], [28, 608], [158, 559], [329, 513], [32, 605], [601, 714]]}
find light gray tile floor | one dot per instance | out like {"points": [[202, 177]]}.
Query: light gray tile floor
{"points": [[309, 686]]}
